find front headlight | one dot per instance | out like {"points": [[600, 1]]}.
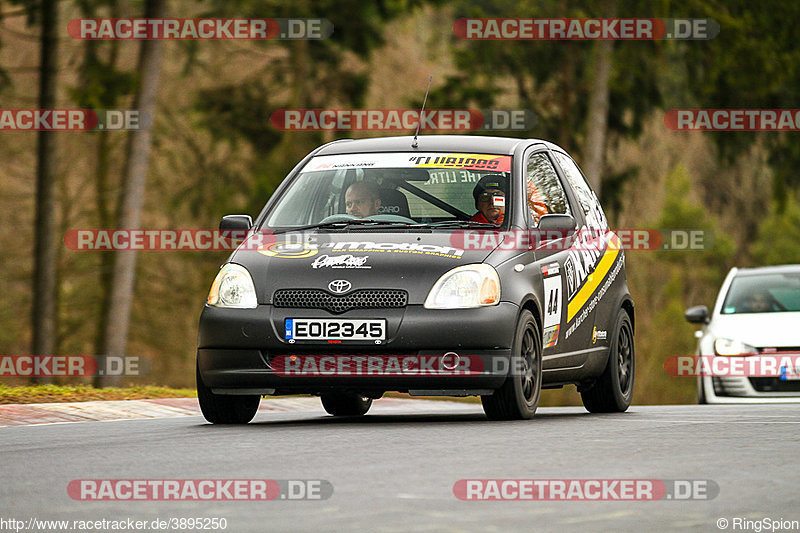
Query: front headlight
{"points": [[732, 347], [465, 286], [233, 287]]}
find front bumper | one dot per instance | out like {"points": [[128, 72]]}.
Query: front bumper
{"points": [[237, 349], [730, 390]]}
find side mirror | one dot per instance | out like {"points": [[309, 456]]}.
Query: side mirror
{"points": [[697, 315], [235, 223], [557, 223]]}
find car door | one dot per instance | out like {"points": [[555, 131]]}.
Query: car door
{"points": [[591, 267], [545, 195]]}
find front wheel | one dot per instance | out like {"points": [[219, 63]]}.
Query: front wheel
{"points": [[223, 408], [701, 391], [518, 397], [343, 404], [613, 390]]}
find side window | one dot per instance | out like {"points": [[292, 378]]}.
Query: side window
{"points": [[331, 195], [545, 194], [595, 218]]}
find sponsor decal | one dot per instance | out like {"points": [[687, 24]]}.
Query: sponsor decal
{"points": [[498, 163], [584, 312], [340, 261], [550, 270], [551, 336], [553, 297], [289, 250], [296, 250], [499, 201], [581, 260], [397, 247], [458, 161], [598, 334], [590, 275], [572, 277]]}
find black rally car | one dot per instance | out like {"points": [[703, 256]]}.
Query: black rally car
{"points": [[453, 266]]}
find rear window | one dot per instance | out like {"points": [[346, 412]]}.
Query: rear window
{"points": [[763, 293]]}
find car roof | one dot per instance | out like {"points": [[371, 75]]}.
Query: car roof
{"points": [[431, 143], [777, 269]]}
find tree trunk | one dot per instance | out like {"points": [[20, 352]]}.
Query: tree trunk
{"points": [[45, 257], [123, 276], [597, 116]]}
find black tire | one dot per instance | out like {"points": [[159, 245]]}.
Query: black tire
{"points": [[613, 390], [518, 397], [224, 408], [345, 404], [701, 392]]}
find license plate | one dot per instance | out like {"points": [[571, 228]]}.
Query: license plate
{"points": [[334, 329], [789, 374]]}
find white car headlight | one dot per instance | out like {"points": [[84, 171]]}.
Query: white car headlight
{"points": [[233, 287], [732, 347], [465, 286]]}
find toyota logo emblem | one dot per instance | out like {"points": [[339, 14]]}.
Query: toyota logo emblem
{"points": [[339, 286]]}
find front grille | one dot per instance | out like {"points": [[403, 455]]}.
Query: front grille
{"points": [[359, 299], [775, 385], [770, 384]]}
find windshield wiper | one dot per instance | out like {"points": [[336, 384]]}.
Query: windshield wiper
{"points": [[457, 224], [345, 223]]}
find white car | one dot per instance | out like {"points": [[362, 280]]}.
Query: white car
{"points": [[757, 313]]}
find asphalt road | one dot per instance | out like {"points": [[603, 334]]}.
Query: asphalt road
{"points": [[394, 470]]}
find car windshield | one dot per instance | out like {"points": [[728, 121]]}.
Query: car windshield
{"points": [[412, 188], [763, 293]]}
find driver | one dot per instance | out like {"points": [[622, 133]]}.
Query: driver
{"points": [[362, 199], [490, 199], [757, 302]]}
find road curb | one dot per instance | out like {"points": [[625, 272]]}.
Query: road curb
{"points": [[92, 411]]}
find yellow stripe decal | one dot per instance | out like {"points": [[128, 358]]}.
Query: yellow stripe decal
{"points": [[580, 299]]}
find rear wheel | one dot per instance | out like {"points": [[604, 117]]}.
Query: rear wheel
{"points": [[223, 408], [518, 397], [345, 404], [613, 390]]}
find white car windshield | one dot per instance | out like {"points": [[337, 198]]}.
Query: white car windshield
{"points": [[763, 293], [398, 187]]}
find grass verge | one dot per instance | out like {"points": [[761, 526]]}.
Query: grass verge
{"points": [[85, 393]]}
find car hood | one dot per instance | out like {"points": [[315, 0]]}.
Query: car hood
{"points": [[761, 330], [410, 261]]}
